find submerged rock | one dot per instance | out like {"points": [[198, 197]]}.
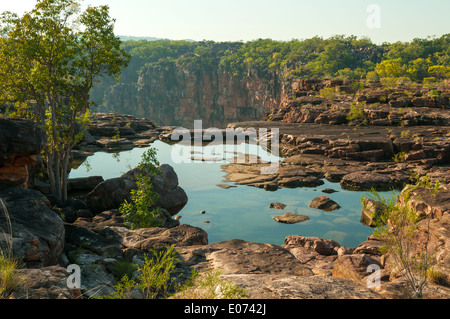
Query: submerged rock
{"points": [[291, 218]]}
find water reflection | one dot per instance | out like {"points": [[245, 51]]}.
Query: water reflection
{"points": [[240, 212]]}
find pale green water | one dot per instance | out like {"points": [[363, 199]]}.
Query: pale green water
{"points": [[243, 212]]}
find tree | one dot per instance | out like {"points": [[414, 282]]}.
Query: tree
{"points": [[51, 58], [390, 68]]}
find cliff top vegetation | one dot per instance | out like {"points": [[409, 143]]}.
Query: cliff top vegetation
{"points": [[336, 57]]}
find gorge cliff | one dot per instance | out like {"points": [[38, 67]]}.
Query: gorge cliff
{"points": [[176, 96]]}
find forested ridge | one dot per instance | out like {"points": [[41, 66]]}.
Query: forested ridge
{"points": [[335, 57]]}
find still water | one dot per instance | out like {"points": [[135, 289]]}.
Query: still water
{"points": [[241, 212]]}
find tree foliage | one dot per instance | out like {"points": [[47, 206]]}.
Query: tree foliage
{"points": [[51, 58], [339, 56]]}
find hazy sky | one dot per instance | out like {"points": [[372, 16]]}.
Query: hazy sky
{"points": [[234, 20]]}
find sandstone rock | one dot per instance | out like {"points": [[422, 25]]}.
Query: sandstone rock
{"points": [[324, 203], [370, 247], [277, 205], [426, 201], [291, 218], [85, 184], [354, 267], [37, 232], [371, 211], [79, 235], [147, 239], [111, 193], [21, 142], [326, 247], [300, 287], [241, 257], [45, 283], [364, 180]]}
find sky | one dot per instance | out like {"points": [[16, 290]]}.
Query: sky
{"points": [[284, 20]]}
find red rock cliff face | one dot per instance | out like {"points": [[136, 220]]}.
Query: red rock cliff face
{"points": [[174, 96], [21, 142]]}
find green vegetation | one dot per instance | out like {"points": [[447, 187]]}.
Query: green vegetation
{"points": [[335, 57], [8, 276], [356, 114], [140, 213], [9, 279], [328, 93], [397, 228], [156, 280], [210, 286], [51, 57], [400, 157]]}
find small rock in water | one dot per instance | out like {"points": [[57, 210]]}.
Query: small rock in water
{"points": [[207, 222], [291, 218], [225, 186], [203, 212], [277, 205], [329, 191], [324, 203]]}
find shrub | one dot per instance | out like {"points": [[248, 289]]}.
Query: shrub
{"points": [[389, 83], [356, 114], [156, 279], [9, 279], [140, 213], [429, 80], [400, 157], [398, 229], [210, 286], [328, 93]]}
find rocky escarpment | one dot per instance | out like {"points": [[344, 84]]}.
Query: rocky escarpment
{"points": [[344, 101], [21, 142], [176, 96]]}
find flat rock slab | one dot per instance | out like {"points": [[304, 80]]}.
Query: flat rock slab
{"points": [[242, 257], [147, 239], [364, 181], [291, 218], [300, 287]]}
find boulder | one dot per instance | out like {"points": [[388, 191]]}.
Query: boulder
{"points": [[37, 232], [324, 203], [371, 211], [326, 247], [21, 142], [355, 266], [148, 239], [85, 184], [111, 193]]}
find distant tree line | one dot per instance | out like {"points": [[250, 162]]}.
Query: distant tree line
{"points": [[336, 57]]}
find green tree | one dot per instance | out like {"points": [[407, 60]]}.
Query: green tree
{"points": [[390, 68], [51, 58]]}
